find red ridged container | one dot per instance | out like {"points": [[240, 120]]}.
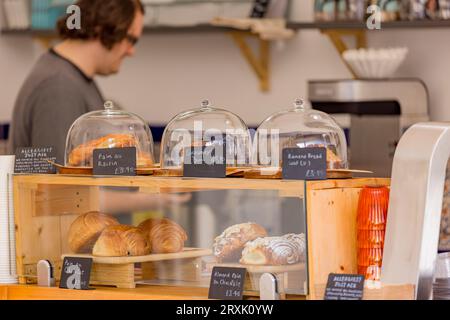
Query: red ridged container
{"points": [[371, 228], [370, 239]]}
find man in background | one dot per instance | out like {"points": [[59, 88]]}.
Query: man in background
{"points": [[61, 86]]}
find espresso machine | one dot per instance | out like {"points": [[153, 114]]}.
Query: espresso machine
{"points": [[375, 114]]}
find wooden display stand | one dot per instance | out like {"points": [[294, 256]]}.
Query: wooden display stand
{"points": [[120, 272], [46, 205]]}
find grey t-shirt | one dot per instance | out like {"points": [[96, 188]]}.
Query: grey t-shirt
{"points": [[53, 96]]}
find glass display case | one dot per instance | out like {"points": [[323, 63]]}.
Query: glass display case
{"points": [[300, 127], [166, 231], [205, 127], [108, 128]]}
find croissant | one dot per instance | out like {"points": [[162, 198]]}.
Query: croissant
{"points": [[119, 241], [85, 230], [82, 154], [288, 249], [228, 246], [163, 235]]}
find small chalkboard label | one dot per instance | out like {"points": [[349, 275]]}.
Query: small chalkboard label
{"points": [[75, 273], [304, 163], [115, 162], [35, 160], [205, 162], [344, 287], [227, 283]]}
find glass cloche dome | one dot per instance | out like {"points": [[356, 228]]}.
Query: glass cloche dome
{"points": [[108, 128], [206, 126], [300, 127]]}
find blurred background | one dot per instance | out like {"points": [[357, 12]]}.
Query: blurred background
{"points": [[173, 71]]}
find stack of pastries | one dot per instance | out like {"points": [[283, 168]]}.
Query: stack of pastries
{"points": [[249, 244], [102, 235]]}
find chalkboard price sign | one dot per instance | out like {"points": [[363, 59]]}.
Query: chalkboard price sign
{"points": [[227, 283], [344, 287], [75, 273], [35, 160], [115, 162], [205, 162], [304, 163]]}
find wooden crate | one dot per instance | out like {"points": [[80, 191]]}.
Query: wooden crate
{"points": [[331, 217]]}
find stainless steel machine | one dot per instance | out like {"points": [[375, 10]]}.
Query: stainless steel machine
{"points": [[376, 114]]}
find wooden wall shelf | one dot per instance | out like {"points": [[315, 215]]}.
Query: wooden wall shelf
{"points": [[420, 24], [361, 25], [147, 30]]}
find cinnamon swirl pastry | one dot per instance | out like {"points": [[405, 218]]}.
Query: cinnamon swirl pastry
{"points": [[163, 235], [288, 249], [229, 245]]}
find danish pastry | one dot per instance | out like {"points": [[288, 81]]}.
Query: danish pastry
{"points": [[228, 246], [288, 249]]}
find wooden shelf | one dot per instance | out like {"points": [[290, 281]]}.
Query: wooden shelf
{"points": [[338, 25], [147, 30], [206, 28], [33, 292]]}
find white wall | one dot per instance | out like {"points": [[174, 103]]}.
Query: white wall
{"points": [[173, 72], [429, 59]]}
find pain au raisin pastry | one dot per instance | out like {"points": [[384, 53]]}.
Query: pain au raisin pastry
{"points": [[85, 230], [121, 241], [229, 245], [82, 155], [288, 249], [163, 235]]}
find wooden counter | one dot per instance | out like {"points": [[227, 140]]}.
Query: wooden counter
{"points": [[33, 292]]}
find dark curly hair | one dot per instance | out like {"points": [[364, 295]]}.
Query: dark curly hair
{"points": [[106, 20]]}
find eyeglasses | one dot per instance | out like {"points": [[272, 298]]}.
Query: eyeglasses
{"points": [[132, 39]]}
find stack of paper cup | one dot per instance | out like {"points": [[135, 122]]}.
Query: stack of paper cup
{"points": [[8, 272]]}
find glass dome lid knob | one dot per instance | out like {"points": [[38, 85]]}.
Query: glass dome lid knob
{"points": [[206, 103], [299, 104], [109, 105]]}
